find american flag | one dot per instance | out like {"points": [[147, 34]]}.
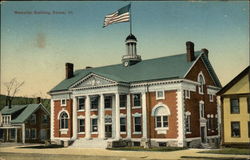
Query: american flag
{"points": [[121, 15]]}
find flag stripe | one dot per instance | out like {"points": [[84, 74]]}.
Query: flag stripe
{"points": [[122, 15]]}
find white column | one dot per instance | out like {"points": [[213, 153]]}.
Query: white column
{"points": [[74, 120], [144, 116], [23, 133], [52, 119], [15, 134], [87, 118], [101, 118], [180, 116], [113, 116], [128, 117], [117, 116]]}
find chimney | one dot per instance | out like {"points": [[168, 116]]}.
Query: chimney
{"points": [[205, 51], [38, 100], [69, 70], [9, 102], [190, 51]]}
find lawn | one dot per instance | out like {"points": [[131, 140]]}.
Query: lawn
{"points": [[235, 151], [155, 149]]}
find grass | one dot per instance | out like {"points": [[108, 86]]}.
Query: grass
{"points": [[155, 149], [235, 151]]}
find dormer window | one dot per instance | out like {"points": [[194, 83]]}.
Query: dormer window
{"points": [[201, 80], [6, 119]]}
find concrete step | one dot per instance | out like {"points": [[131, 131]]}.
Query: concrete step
{"points": [[89, 143]]}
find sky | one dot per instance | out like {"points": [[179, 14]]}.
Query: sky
{"points": [[37, 39]]}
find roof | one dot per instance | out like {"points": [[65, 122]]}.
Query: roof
{"points": [[169, 67], [25, 114], [235, 80]]}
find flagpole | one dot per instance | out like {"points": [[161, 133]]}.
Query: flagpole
{"points": [[130, 18]]}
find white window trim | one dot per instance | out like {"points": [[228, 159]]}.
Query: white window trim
{"points": [[163, 94], [134, 116], [198, 80], [211, 98], [64, 131], [63, 105], [134, 107], [80, 110], [78, 118], [187, 94], [189, 122], [201, 103], [91, 125], [6, 119], [123, 116]]}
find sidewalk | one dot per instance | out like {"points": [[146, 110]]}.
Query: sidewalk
{"points": [[122, 154]]}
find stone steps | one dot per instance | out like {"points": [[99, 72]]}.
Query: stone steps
{"points": [[89, 143]]}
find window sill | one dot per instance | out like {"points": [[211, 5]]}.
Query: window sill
{"points": [[81, 133], [137, 132], [64, 131], [80, 110], [188, 132], [122, 108], [136, 107], [123, 132], [107, 109], [187, 97], [161, 130], [94, 132], [93, 109]]}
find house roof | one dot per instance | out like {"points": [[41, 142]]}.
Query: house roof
{"points": [[235, 80], [169, 67], [25, 114]]}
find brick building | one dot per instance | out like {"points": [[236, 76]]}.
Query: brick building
{"points": [[25, 123], [167, 101]]}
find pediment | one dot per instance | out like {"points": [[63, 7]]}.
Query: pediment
{"points": [[93, 80]]}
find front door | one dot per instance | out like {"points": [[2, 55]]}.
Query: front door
{"points": [[108, 130], [43, 134], [203, 136]]}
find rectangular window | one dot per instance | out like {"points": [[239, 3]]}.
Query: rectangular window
{"points": [[33, 119], [108, 102], [1, 133], [81, 103], [158, 121], [160, 95], [45, 119], [6, 119], [137, 99], [123, 124], [235, 129], [12, 133], [188, 123], [137, 121], [27, 133], [63, 102], [94, 102], [202, 110], [94, 125], [123, 101], [248, 104], [187, 94], [33, 133], [165, 121], [234, 105], [81, 125], [249, 129], [211, 98]]}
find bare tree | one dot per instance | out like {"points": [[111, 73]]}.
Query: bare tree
{"points": [[12, 87]]}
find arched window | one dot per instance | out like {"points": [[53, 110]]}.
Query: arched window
{"points": [[201, 80], [64, 120], [161, 114]]}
